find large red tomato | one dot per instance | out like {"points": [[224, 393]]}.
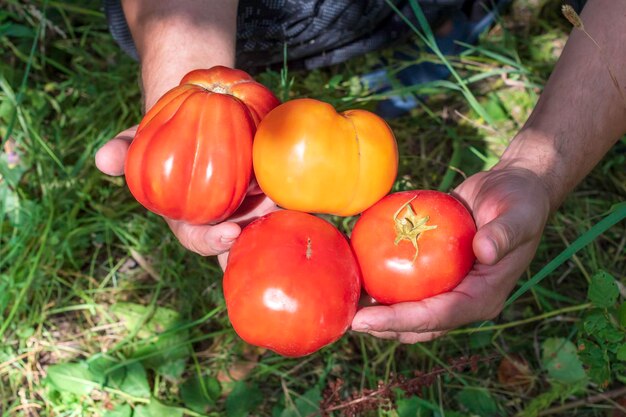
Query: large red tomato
{"points": [[412, 245], [191, 158], [292, 283]]}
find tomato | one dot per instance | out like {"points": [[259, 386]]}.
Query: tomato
{"points": [[292, 283], [191, 158], [308, 157], [412, 245]]}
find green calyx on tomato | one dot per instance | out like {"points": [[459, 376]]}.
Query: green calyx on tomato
{"points": [[410, 226]]}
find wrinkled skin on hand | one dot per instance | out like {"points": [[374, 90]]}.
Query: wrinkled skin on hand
{"points": [[510, 207], [206, 240]]}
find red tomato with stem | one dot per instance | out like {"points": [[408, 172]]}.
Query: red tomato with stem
{"points": [[191, 158], [413, 245], [292, 283]]}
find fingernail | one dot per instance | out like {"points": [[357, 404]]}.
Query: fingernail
{"points": [[227, 240], [361, 327]]}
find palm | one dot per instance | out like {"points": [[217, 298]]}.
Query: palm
{"points": [[203, 239], [510, 208]]}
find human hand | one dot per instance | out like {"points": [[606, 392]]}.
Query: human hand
{"points": [[205, 240], [510, 206]]}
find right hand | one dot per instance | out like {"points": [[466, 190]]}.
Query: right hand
{"points": [[510, 206], [206, 240]]}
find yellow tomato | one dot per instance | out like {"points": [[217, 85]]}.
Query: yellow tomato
{"points": [[308, 157]]}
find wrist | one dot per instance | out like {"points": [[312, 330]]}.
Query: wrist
{"points": [[533, 151], [173, 38], [159, 75]]}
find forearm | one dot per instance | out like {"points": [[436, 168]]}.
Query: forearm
{"points": [[175, 37], [581, 113]]}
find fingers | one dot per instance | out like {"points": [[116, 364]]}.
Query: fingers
{"points": [[252, 207], [497, 238], [442, 312], [412, 338], [222, 259], [254, 188], [206, 240], [408, 337], [505, 233], [510, 208], [111, 157], [480, 296]]}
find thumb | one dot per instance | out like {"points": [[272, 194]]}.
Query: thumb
{"points": [[110, 158], [496, 239]]}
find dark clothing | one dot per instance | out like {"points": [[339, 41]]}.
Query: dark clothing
{"points": [[316, 32]]}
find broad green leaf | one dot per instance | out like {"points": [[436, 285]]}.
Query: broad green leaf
{"points": [[134, 315], [594, 322], [200, 394], [478, 401], [10, 204], [561, 361], [447, 413], [621, 314], [610, 335], [305, 405], [243, 399], [408, 407], [414, 406], [621, 352], [596, 358], [72, 377], [11, 172], [131, 379], [100, 364], [120, 411], [165, 353], [603, 290], [157, 409], [481, 339], [557, 391], [142, 411], [599, 326], [419, 407]]}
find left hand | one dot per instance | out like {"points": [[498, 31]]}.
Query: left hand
{"points": [[510, 206], [204, 239]]}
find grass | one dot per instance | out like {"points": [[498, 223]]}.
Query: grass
{"points": [[102, 313]]}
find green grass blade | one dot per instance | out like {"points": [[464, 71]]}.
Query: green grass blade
{"points": [[29, 64], [455, 160], [31, 275], [429, 39], [617, 215]]}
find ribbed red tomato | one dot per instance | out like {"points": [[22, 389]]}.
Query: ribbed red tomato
{"points": [[292, 283], [413, 245], [191, 158]]}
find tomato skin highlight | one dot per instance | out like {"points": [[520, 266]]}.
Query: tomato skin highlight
{"points": [[191, 158], [308, 157], [292, 283], [393, 273]]}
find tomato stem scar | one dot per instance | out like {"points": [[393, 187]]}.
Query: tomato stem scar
{"points": [[308, 248], [410, 227], [218, 88]]}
